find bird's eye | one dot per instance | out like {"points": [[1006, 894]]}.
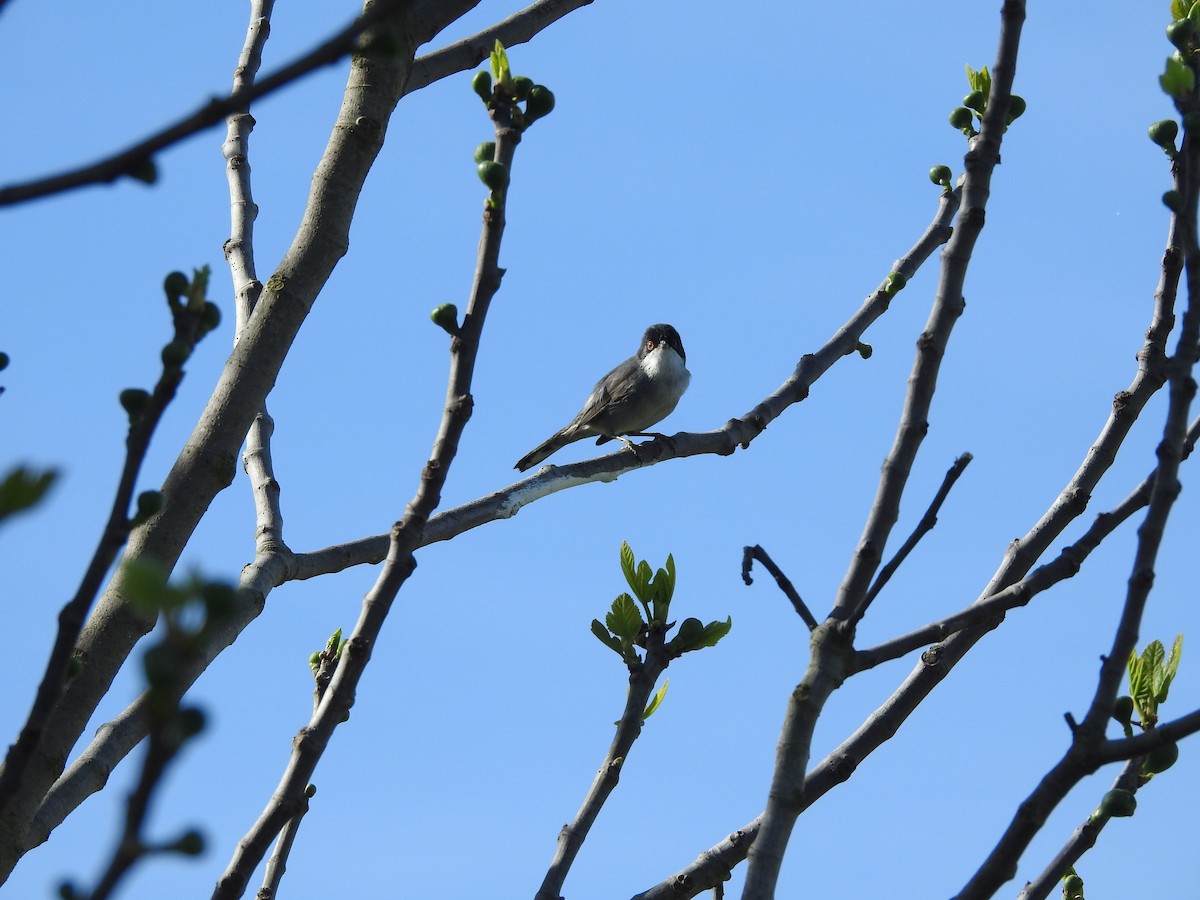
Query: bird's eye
{"points": [[649, 345]]}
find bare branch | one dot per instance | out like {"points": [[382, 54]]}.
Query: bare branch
{"points": [[749, 554], [923, 527]]}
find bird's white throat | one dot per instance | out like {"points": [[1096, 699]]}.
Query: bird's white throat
{"points": [[665, 366]]}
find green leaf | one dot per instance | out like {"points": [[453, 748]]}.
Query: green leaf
{"points": [[1164, 674], [499, 60], [1178, 80], [629, 566], [145, 584], [625, 619], [656, 700], [23, 488], [714, 631], [606, 639], [980, 81], [1178, 9]]}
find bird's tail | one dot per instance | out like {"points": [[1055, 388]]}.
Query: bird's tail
{"points": [[541, 451]]}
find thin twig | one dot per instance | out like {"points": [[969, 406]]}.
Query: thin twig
{"points": [[749, 554], [923, 527], [642, 678]]}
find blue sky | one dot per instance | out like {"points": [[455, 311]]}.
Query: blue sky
{"points": [[748, 176]]}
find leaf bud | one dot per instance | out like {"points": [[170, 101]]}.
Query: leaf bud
{"points": [[175, 285]]}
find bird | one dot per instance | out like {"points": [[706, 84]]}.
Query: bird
{"points": [[641, 391]]}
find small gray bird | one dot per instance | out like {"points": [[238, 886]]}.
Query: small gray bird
{"points": [[636, 394]]}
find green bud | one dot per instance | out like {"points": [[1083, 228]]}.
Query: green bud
{"points": [[1072, 887], [190, 843], [941, 175], [1173, 200], [445, 317], [175, 354], [191, 721], [481, 84], [485, 152], [134, 401], [521, 87], [210, 318], [1164, 132], [895, 283], [1180, 33], [961, 118], [493, 174], [310, 791], [4, 361], [148, 503], [1016, 108], [175, 285], [314, 661], [540, 103], [1118, 804], [1123, 709], [976, 100], [864, 350], [1160, 759]]}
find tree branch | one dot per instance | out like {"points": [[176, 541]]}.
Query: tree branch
{"points": [[457, 57], [923, 527], [749, 554]]}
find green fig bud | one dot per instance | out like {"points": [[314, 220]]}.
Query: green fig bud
{"points": [[445, 317], [895, 283], [1180, 33], [134, 401], [961, 118], [310, 791], [175, 354], [540, 103], [521, 87], [1173, 200], [148, 503], [175, 285], [941, 175], [493, 174], [4, 361], [190, 843], [1072, 887], [864, 350], [1160, 759], [1123, 709], [191, 721], [976, 100], [1118, 804], [210, 318], [485, 152], [1016, 108], [481, 84], [1164, 132]]}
